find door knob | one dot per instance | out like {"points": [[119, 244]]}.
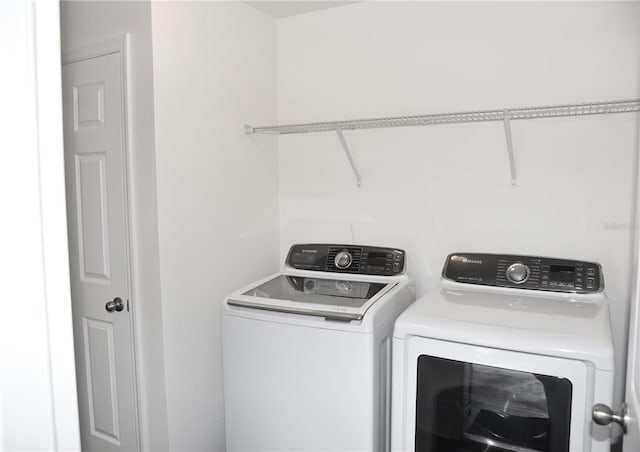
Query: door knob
{"points": [[603, 415], [115, 305]]}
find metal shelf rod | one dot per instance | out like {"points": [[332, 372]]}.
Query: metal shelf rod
{"points": [[506, 115], [553, 111]]}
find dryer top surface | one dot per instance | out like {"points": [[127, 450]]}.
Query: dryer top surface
{"points": [[563, 325]]}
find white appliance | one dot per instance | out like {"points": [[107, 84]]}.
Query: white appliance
{"points": [[508, 354], [307, 352]]}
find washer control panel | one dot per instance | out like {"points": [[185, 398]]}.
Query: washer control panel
{"points": [[524, 272], [358, 259]]}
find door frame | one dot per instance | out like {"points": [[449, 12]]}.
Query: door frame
{"points": [[120, 45], [37, 317]]}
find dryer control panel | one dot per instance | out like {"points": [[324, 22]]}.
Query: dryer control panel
{"points": [[357, 259], [524, 272]]}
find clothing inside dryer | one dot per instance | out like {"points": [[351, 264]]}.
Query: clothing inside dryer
{"points": [[466, 407]]}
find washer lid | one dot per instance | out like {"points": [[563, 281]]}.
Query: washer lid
{"points": [[560, 325], [331, 298]]}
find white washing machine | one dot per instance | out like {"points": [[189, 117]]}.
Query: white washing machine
{"points": [[508, 354], [307, 352]]}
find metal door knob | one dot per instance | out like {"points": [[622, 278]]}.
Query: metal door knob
{"points": [[115, 305], [603, 415]]}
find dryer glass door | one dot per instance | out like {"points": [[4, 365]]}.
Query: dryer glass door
{"points": [[465, 407]]}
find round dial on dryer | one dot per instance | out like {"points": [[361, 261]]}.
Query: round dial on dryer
{"points": [[343, 259], [518, 273]]}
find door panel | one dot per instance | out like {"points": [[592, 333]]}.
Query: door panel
{"points": [[91, 202], [94, 121], [99, 348], [88, 105]]}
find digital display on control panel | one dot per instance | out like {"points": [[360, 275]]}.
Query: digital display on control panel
{"points": [[377, 256], [563, 273], [303, 258]]}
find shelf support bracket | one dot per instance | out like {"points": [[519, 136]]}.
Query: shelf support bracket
{"points": [[347, 151], [507, 134]]}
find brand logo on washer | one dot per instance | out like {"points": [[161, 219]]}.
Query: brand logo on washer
{"points": [[465, 260], [310, 251]]}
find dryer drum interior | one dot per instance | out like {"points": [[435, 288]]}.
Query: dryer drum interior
{"points": [[465, 407]]}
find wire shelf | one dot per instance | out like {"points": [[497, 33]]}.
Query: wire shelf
{"points": [[553, 111]]}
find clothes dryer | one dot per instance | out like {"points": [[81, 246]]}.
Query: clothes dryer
{"points": [[509, 354], [307, 352]]}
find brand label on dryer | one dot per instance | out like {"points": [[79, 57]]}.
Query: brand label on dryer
{"points": [[465, 260]]}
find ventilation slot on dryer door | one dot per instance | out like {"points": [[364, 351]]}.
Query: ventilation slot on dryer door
{"points": [[356, 254]]}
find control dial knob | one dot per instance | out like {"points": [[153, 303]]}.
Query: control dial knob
{"points": [[343, 259], [518, 273]]}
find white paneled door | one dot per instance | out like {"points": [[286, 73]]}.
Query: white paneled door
{"points": [[631, 440], [95, 164]]}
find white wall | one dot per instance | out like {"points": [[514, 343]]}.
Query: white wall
{"points": [[86, 24], [214, 71], [440, 189], [38, 404]]}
